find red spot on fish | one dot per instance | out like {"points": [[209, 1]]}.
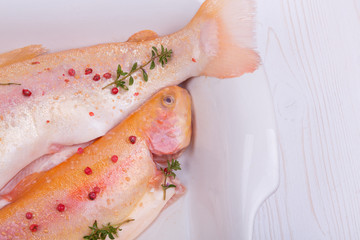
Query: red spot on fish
{"points": [[33, 63], [96, 189], [88, 71], [34, 227], [115, 90], [47, 121], [88, 171], [114, 158], [60, 207], [26, 92], [71, 72], [91, 114], [96, 77], [80, 150], [136, 94], [29, 215], [67, 80], [107, 75], [132, 139], [193, 59], [92, 195], [64, 74]]}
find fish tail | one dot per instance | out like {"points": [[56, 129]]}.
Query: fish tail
{"points": [[227, 37]]}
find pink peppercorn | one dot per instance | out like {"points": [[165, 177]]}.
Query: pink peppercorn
{"points": [[26, 92], [80, 150], [92, 195], [96, 77], [60, 207], [107, 75], [114, 158], [115, 90], [132, 139], [88, 71], [29, 215], [33, 227], [71, 72], [96, 189], [88, 171]]}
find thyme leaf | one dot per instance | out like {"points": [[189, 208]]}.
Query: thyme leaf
{"points": [[162, 56], [106, 231], [10, 83], [172, 166]]}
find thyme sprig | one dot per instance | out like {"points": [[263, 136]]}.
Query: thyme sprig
{"points": [[163, 55], [172, 166], [106, 231], [10, 83]]}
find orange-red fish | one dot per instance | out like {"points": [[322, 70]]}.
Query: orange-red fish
{"points": [[127, 186]]}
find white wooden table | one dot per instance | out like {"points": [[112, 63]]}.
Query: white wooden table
{"points": [[311, 55]]}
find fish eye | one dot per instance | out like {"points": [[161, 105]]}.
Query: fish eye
{"points": [[168, 100]]}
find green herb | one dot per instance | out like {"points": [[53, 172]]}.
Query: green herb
{"points": [[106, 231], [163, 57], [174, 165], [10, 83]]}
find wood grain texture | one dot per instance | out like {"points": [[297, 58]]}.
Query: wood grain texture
{"points": [[311, 55]]}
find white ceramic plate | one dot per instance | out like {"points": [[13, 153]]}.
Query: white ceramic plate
{"points": [[232, 165]]}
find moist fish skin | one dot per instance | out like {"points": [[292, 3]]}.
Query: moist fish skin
{"points": [[65, 110], [129, 188]]}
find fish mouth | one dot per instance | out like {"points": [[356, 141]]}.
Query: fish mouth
{"points": [[163, 158], [180, 190], [162, 161]]}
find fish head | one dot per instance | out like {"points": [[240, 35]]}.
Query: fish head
{"points": [[168, 123]]}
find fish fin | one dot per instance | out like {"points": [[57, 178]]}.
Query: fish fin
{"points": [[227, 37], [21, 54], [22, 187], [143, 36], [3, 202]]}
